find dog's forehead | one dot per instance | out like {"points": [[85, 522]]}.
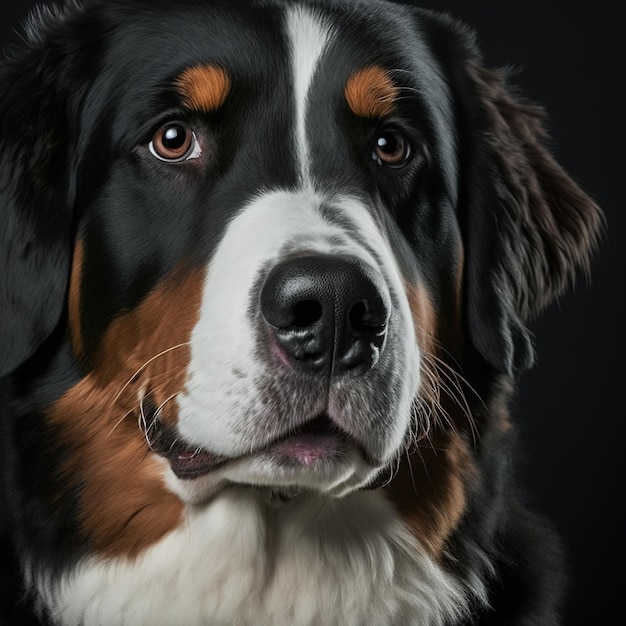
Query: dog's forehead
{"points": [[278, 50], [280, 73]]}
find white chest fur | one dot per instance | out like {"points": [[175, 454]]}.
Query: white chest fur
{"points": [[236, 561]]}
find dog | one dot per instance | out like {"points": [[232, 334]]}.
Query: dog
{"points": [[267, 269]]}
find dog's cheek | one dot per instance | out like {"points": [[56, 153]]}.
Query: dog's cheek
{"points": [[123, 503], [430, 487], [100, 428], [153, 343], [427, 327], [73, 305], [424, 316]]}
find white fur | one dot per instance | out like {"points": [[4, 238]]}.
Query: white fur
{"points": [[222, 407], [309, 36], [238, 561], [218, 403]]}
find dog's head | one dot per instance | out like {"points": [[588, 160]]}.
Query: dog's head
{"points": [[257, 239]]}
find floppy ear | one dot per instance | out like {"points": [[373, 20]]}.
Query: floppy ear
{"points": [[528, 227], [35, 200]]}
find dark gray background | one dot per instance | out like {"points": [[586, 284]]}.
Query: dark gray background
{"points": [[571, 406]]}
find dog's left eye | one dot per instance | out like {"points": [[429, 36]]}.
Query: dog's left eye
{"points": [[175, 142], [391, 148]]}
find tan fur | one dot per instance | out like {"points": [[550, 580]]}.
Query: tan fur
{"points": [[124, 505], [371, 93], [203, 88]]}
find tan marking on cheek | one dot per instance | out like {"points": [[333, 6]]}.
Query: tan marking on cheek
{"points": [[429, 490], [439, 337], [203, 88], [426, 331], [76, 338], [424, 317], [371, 93], [124, 503], [429, 487], [153, 340]]}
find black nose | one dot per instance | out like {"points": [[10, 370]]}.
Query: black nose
{"points": [[329, 314]]}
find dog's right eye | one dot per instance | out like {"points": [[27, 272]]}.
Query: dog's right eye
{"points": [[175, 142]]}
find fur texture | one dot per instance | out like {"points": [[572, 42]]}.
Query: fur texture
{"points": [[268, 270]]}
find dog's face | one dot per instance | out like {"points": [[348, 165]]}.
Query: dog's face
{"points": [[242, 238], [246, 250]]}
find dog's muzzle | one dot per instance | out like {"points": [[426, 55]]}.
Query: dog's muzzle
{"points": [[327, 315]]}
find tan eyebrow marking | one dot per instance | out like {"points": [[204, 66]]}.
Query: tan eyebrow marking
{"points": [[203, 88], [370, 92]]}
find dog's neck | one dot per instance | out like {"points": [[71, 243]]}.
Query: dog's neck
{"points": [[243, 559]]}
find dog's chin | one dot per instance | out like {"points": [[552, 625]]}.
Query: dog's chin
{"points": [[314, 460], [337, 471]]}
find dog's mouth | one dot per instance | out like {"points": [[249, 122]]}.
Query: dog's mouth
{"points": [[189, 463], [315, 441]]}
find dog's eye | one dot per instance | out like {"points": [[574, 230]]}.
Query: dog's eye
{"points": [[391, 148], [175, 142]]}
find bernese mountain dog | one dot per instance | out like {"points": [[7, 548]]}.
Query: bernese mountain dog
{"points": [[267, 268]]}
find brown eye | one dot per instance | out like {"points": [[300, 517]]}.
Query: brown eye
{"points": [[175, 142], [391, 149]]}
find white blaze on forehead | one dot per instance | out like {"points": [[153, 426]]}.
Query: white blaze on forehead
{"points": [[308, 36]]}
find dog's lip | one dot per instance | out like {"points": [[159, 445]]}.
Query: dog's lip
{"points": [[314, 441], [187, 461], [188, 464]]}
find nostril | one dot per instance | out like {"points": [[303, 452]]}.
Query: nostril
{"points": [[306, 313], [357, 314], [367, 318]]}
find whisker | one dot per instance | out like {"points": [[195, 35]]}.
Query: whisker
{"points": [[452, 383], [443, 350], [154, 358], [408, 459], [441, 376], [160, 408], [129, 412]]}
